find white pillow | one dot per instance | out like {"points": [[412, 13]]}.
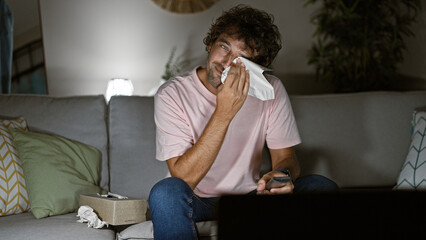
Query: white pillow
{"points": [[413, 172], [145, 230]]}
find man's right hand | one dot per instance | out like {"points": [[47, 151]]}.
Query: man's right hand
{"points": [[233, 92]]}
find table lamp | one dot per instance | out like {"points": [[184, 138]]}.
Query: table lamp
{"points": [[119, 86]]}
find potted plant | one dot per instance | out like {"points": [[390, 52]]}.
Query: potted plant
{"points": [[174, 67], [360, 42]]}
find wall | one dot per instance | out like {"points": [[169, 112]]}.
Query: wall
{"points": [[88, 42]]}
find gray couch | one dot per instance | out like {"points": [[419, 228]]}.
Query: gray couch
{"points": [[358, 140]]}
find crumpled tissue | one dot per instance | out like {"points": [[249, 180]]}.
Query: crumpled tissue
{"points": [[259, 86], [110, 194], [86, 214]]}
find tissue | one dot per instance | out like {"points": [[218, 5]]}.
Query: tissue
{"points": [[86, 214], [110, 194], [259, 86]]}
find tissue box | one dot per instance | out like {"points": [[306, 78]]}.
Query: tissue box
{"points": [[116, 211]]}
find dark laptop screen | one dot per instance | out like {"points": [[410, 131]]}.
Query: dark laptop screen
{"points": [[344, 215]]}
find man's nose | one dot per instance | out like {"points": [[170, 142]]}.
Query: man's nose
{"points": [[229, 58]]}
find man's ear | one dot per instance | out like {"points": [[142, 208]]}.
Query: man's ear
{"points": [[208, 48]]}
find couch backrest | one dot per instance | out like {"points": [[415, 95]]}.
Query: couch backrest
{"points": [[357, 139], [81, 118], [134, 169]]}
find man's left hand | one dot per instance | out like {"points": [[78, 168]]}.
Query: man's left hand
{"points": [[261, 185]]}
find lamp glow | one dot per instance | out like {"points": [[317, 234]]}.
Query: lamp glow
{"points": [[119, 86]]}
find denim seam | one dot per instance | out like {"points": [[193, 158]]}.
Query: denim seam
{"points": [[205, 204], [194, 230]]}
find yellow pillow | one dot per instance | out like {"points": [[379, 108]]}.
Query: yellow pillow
{"points": [[13, 191]]}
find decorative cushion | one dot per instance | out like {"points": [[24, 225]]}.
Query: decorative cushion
{"points": [[413, 172], [13, 192], [57, 171], [145, 230]]}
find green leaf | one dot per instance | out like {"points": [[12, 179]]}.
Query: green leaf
{"points": [[360, 42]]}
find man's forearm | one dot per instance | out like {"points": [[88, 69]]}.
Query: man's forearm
{"points": [[293, 168], [285, 158], [194, 164]]}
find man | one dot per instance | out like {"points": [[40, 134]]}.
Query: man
{"points": [[212, 134]]}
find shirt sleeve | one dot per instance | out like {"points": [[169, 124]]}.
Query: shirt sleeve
{"points": [[282, 129], [173, 134]]}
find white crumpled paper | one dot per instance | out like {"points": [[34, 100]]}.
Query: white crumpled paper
{"points": [[259, 86], [86, 214], [110, 194]]}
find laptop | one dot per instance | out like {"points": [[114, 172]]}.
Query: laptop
{"points": [[340, 215]]}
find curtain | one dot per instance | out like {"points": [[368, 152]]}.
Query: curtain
{"points": [[6, 47]]}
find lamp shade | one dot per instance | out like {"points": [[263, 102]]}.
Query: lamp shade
{"points": [[185, 6], [119, 86]]}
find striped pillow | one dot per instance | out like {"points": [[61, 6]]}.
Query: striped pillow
{"points": [[13, 192]]}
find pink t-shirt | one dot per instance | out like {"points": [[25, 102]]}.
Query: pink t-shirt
{"points": [[183, 107]]}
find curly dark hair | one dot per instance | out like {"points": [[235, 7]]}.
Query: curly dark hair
{"points": [[254, 26]]}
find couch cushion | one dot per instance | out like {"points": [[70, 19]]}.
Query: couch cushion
{"points": [[57, 171], [81, 118], [134, 169], [64, 227], [413, 172], [13, 190], [357, 139]]}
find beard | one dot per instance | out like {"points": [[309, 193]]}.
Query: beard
{"points": [[214, 71]]}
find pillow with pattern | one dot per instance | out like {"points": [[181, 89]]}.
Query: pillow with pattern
{"points": [[13, 191], [413, 172]]}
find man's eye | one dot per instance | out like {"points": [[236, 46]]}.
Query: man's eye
{"points": [[224, 47]]}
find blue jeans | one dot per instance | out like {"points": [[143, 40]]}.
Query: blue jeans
{"points": [[175, 208]]}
